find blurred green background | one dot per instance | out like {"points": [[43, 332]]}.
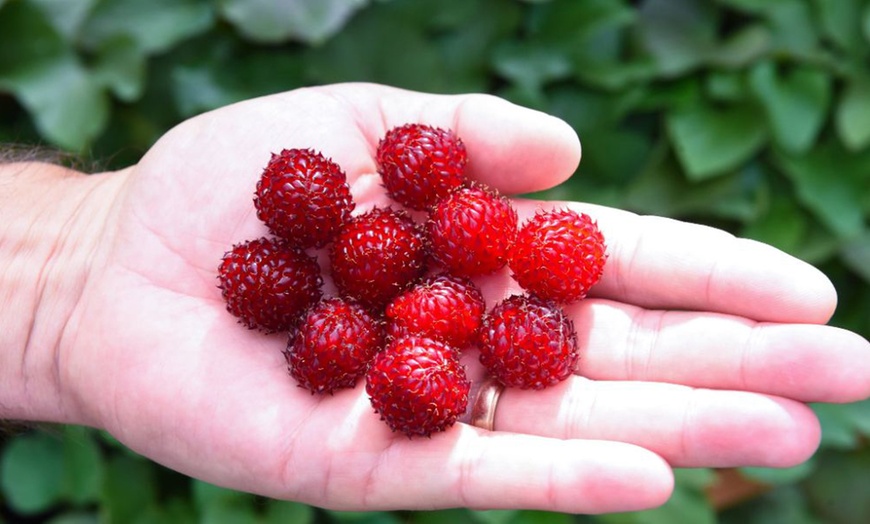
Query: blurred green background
{"points": [[748, 115]]}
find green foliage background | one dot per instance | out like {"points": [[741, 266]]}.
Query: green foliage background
{"points": [[749, 115]]}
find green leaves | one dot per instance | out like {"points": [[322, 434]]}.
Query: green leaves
{"points": [[796, 101], [711, 140], [310, 21], [47, 77], [39, 470]]}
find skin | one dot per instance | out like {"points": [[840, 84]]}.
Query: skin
{"points": [[698, 348]]}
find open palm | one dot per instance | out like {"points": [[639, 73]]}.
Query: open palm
{"points": [[697, 349]]}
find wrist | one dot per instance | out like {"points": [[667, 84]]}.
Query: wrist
{"points": [[52, 223]]}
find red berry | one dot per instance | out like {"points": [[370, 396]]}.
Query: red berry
{"points": [[377, 255], [528, 343], [333, 345], [443, 307], [267, 283], [418, 386], [304, 197], [471, 231], [558, 255], [421, 164]]}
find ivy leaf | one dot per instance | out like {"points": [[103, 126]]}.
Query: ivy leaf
{"points": [[155, 26], [69, 108], [853, 115], [679, 34], [711, 141], [129, 488], [856, 255], [828, 182], [366, 51], [66, 17], [32, 473], [743, 47], [120, 66], [839, 491], [272, 21], [796, 102], [83, 465], [840, 22], [531, 66]]}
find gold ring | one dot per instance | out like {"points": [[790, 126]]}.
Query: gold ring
{"points": [[483, 410]]}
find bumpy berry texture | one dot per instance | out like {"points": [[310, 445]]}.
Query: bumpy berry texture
{"points": [[421, 164], [333, 345], [268, 283], [471, 231], [528, 343], [377, 255], [558, 255], [418, 386], [443, 307], [304, 197]]}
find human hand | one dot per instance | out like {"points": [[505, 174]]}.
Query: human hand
{"points": [[697, 349]]}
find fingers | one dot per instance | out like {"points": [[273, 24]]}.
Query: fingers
{"points": [[806, 362], [510, 147], [688, 427], [466, 467], [661, 263]]}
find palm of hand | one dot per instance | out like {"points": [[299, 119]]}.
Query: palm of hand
{"points": [[180, 381]]}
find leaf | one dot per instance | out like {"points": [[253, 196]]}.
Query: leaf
{"points": [[83, 466], [856, 255], [783, 505], [840, 23], [286, 512], [828, 181], [366, 51], [32, 473], [69, 108], [128, 488], [783, 225], [839, 492], [779, 476], [273, 21], [66, 17], [155, 26], [852, 116], [678, 34], [796, 102], [75, 518], [792, 26], [838, 430], [120, 66], [711, 141], [742, 48], [531, 66], [502, 516]]}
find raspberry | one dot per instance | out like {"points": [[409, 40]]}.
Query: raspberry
{"points": [[421, 164], [558, 255], [471, 231], [418, 386], [377, 255], [267, 283], [333, 345], [442, 307], [304, 197], [528, 343]]}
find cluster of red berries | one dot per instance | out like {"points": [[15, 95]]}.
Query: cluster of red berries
{"points": [[406, 305]]}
